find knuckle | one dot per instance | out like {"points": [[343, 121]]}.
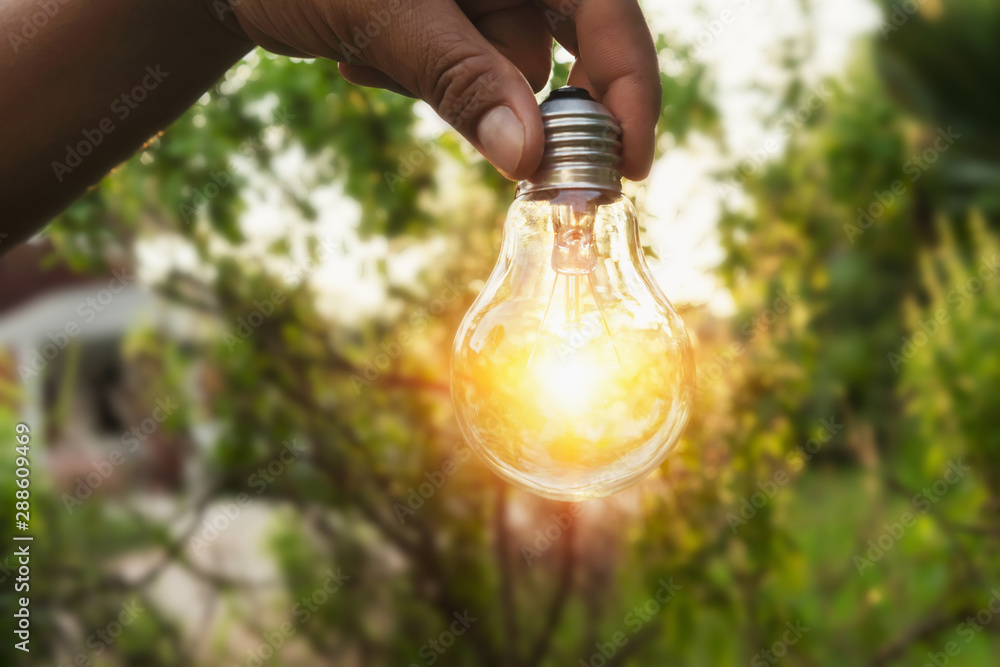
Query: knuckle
{"points": [[458, 83]]}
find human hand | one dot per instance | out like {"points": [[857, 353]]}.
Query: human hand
{"points": [[476, 62]]}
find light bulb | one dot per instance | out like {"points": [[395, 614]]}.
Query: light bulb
{"points": [[572, 375]]}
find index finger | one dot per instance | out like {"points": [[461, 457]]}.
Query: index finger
{"points": [[617, 63]]}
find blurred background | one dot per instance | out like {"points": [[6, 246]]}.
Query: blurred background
{"points": [[233, 359]]}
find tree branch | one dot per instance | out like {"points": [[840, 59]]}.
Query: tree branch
{"points": [[923, 630], [506, 580], [567, 566]]}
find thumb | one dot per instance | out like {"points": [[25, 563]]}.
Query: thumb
{"points": [[438, 54]]}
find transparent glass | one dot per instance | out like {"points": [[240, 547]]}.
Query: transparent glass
{"points": [[572, 376]]}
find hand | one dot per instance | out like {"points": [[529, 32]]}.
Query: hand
{"points": [[476, 62]]}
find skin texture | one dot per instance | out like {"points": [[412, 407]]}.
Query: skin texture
{"points": [[476, 62]]}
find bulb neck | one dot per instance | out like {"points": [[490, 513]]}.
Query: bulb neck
{"points": [[582, 145]]}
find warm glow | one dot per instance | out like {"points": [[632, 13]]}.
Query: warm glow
{"points": [[570, 384]]}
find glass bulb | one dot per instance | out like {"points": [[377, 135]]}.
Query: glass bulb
{"points": [[572, 375]]}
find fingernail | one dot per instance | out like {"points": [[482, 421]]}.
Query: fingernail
{"points": [[502, 136]]}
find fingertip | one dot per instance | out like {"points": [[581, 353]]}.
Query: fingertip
{"points": [[514, 93], [512, 139], [509, 131], [637, 153], [534, 141], [637, 109], [637, 112]]}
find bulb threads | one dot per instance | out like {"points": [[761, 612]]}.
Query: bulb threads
{"points": [[582, 145]]}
